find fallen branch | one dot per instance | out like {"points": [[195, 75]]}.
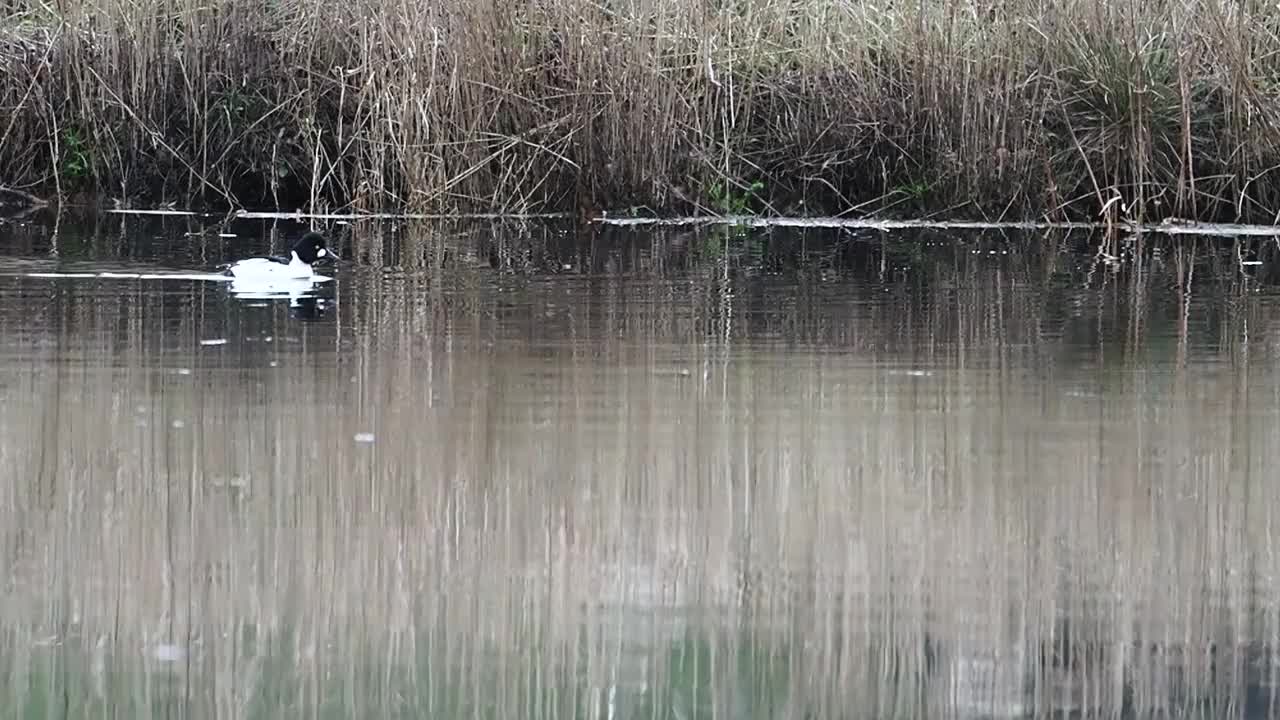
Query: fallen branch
{"points": [[23, 195]]}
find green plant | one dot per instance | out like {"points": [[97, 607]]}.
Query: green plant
{"points": [[915, 189], [75, 163], [734, 201]]}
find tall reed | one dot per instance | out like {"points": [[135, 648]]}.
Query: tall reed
{"points": [[984, 109]]}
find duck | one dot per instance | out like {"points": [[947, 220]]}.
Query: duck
{"points": [[304, 253]]}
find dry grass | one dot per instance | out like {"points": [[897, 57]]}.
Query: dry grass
{"points": [[983, 109], [559, 513]]}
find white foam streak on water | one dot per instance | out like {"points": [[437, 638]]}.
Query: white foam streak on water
{"points": [[1167, 228], [293, 288], [130, 211], [212, 277], [84, 276], [833, 222], [1174, 227], [254, 215]]}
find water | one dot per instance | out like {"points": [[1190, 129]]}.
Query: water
{"points": [[514, 470]]}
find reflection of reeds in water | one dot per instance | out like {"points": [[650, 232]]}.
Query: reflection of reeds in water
{"points": [[611, 507]]}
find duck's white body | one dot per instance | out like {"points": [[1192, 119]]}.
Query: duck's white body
{"points": [[271, 269], [278, 287]]}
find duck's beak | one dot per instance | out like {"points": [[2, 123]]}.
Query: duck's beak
{"points": [[331, 256]]}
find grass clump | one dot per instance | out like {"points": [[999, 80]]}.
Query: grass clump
{"points": [[1063, 108]]}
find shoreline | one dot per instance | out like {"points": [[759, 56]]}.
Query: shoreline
{"points": [[1170, 226]]}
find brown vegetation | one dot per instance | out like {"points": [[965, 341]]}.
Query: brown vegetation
{"points": [[980, 108]]}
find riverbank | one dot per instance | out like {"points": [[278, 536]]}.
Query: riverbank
{"points": [[1059, 110]]}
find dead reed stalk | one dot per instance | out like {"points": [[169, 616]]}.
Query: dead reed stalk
{"points": [[988, 109]]}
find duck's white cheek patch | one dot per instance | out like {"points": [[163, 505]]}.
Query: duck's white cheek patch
{"points": [[322, 253]]}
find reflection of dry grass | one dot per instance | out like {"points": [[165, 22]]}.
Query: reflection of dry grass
{"points": [[563, 502]]}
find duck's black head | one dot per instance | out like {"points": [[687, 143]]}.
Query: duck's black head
{"points": [[311, 247]]}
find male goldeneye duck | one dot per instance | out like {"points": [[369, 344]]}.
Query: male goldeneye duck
{"points": [[309, 249]]}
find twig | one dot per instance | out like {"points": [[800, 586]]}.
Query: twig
{"points": [[24, 195]]}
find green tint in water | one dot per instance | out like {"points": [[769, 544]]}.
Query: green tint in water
{"points": [[517, 471]]}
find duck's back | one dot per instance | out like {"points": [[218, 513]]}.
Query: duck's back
{"points": [[269, 267]]}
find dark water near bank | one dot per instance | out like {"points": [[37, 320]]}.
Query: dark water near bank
{"points": [[505, 470]]}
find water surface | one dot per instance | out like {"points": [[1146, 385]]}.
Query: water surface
{"points": [[522, 469]]}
